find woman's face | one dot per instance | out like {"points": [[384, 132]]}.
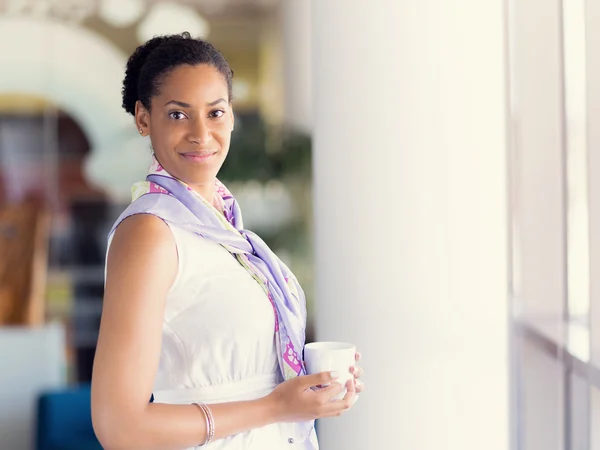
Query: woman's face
{"points": [[190, 123]]}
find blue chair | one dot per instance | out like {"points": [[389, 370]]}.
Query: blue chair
{"points": [[64, 420]]}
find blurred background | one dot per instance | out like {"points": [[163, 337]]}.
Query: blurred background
{"points": [[471, 130], [69, 154]]}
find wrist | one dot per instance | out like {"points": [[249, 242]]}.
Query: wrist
{"points": [[272, 410]]}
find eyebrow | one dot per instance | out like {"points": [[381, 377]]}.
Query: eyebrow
{"points": [[178, 103], [217, 101], [187, 105]]}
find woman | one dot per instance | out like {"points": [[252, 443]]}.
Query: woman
{"points": [[198, 313]]}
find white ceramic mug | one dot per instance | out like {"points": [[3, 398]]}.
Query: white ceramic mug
{"points": [[331, 356]]}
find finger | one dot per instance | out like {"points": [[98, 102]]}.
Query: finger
{"points": [[348, 399], [337, 407], [356, 371], [351, 386], [359, 386], [309, 381], [357, 356]]}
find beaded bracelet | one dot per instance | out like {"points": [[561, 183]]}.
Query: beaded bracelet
{"points": [[210, 423]]}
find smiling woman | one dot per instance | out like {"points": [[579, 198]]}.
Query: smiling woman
{"points": [[199, 314]]}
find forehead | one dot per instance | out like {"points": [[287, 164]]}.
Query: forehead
{"points": [[194, 83]]}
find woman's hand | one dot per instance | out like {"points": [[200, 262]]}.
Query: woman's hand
{"points": [[295, 400], [357, 372]]}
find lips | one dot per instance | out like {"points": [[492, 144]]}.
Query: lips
{"points": [[199, 156]]}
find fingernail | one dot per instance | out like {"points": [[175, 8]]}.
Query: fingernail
{"points": [[351, 369], [334, 374]]}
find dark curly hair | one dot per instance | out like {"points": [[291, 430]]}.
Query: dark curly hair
{"points": [[151, 62]]}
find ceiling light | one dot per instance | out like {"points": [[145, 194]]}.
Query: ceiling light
{"points": [[121, 13], [172, 18]]}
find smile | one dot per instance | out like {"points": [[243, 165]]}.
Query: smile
{"points": [[199, 157]]}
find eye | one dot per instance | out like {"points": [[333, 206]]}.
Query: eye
{"points": [[217, 113], [177, 115]]}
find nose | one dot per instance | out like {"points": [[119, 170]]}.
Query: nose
{"points": [[200, 132]]}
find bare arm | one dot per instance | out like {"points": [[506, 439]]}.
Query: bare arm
{"points": [[142, 265]]}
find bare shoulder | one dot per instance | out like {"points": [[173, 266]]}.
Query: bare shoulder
{"points": [[140, 228], [142, 243]]}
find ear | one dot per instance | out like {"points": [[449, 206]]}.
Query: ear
{"points": [[142, 119]]}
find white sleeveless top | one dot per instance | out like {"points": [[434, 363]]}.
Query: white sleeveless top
{"points": [[218, 342]]}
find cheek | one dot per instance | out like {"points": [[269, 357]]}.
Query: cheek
{"points": [[168, 136], [225, 142], [223, 134], [163, 145]]}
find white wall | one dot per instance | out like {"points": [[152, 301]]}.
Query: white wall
{"points": [[411, 223]]}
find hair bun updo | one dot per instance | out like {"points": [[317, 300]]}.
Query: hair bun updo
{"points": [[132, 73]]}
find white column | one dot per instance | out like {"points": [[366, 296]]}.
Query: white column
{"points": [[411, 224], [296, 33]]}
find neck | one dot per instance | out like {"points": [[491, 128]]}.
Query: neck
{"points": [[206, 190]]}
